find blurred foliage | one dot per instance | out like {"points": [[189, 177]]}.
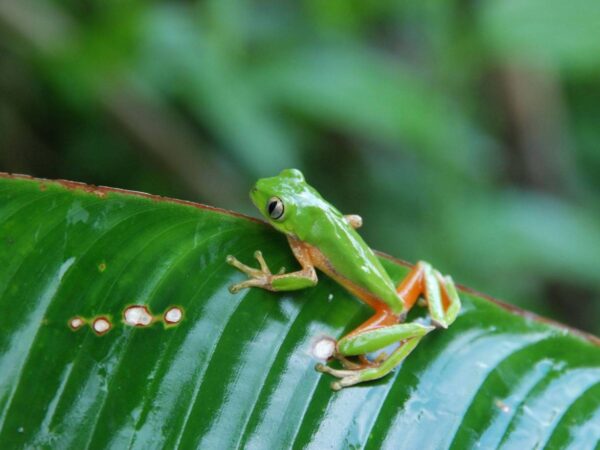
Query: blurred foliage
{"points": [[464, 133]]}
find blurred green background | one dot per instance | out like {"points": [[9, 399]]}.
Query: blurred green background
{"points": [[465, 133]]}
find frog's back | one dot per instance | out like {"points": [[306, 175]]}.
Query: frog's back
{"points": [[346, 257]]}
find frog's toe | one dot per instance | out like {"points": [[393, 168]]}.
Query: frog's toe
{"points": [[335, 372], [235, 288], [336, 386], [263, 264], [250, 271], [345, 382], [233, 261]]}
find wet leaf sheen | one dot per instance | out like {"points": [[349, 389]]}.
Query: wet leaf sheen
{"points": [[236, 370]]}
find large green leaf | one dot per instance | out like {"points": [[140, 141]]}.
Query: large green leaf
{"points": [[238, 370]]}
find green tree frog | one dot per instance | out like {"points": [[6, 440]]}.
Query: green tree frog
{"points": [[321, 237]]}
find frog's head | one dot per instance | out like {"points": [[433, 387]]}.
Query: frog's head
{"points": [[283, 198]]}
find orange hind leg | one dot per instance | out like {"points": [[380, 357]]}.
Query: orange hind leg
{"points": [[422, 280]]}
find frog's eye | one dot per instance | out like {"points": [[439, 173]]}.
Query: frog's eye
{"points": [[275, 208]]}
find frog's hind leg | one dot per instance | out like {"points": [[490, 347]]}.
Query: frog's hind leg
{"points": [[383, 317], [352, 377], [383, 328], [439, 291], [374, 339]]}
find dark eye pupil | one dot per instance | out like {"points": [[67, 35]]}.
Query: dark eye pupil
{"points": [[272, 206]]}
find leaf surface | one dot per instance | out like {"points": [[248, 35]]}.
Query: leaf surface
{"points": [[237, 371]]}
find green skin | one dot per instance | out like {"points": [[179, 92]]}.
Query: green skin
{"points": [[322, 237]]}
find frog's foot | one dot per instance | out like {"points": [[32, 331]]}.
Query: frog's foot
{"points": [[257, 277], [352, 377]]}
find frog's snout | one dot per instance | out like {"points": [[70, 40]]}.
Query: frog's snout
{"points": [[253, 194]]}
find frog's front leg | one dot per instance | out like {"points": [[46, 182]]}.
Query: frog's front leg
{"points": [[263, 278]]}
